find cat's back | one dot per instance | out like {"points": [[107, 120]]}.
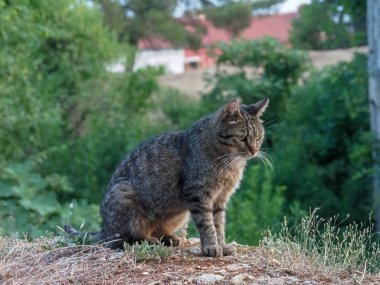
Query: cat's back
{"points": [[153, 164]]}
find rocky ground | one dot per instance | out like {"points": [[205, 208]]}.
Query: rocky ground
{"points": [[45, 262]]}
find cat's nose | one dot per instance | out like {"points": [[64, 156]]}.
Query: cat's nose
{"points": [[253, 150]]}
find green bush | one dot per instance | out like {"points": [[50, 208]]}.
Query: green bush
{"points": [[261, 68], [66, 121], [257, 205], [325, 154], [330, 25]]}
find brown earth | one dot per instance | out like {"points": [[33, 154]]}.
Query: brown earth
{"points": [[42, 262]]}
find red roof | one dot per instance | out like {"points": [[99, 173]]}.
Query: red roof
{"points": [[276, 26], [153, 43]]}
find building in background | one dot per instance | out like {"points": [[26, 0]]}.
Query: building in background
{"points": [[156, 52]]}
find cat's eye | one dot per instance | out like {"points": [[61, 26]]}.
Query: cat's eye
{"points": [[241, 138]]}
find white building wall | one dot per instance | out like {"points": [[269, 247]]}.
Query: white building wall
{"points": [[173, 60]]}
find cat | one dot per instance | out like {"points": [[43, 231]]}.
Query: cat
{"points": [[163, 180]]}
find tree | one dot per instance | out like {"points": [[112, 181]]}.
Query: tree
{"points": [[63, 116], [374, 93], [322, 153], [143, 19], [235, 16], [329, 24]]}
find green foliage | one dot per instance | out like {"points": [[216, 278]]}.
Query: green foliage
{"points": [[233, 17], [65, 119], [105, 135], [180, 110], [262, 68], [257, 205], [133, 20], [329, 25], [331, 168]]}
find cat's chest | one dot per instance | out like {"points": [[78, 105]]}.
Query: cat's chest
{"points": [[229, 179]]}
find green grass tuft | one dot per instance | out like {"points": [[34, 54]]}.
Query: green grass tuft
{"points": [[145, 251]]}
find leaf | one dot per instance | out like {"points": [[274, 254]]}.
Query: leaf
{"points": [[6, 190], [44, 205]]}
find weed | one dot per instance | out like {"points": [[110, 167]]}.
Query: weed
{"points": [[319, 245], [146, 251]]}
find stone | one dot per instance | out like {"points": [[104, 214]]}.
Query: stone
{"points": [[195, 250], [241, 278], [208, 278], [193, 241], [276, 281], [270, 281], [309, 282], [291, 280], [237, 266]]}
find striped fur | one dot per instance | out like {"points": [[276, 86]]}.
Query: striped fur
{"points": [[163, 180]]}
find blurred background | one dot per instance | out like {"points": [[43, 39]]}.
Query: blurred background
{"points": [[83, 82]]}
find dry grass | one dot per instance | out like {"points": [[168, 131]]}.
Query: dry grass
{"points": [[320, 248], [282, 258]]}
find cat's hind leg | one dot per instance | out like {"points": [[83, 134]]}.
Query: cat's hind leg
{"points": [[166, 229], [125, 217]]}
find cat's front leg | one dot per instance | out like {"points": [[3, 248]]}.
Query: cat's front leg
{"points": [[201, 212], [218, 211]]}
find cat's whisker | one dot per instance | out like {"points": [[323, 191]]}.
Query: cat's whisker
{"points": [[223, 156], [225, 162], [265, 154], [265, 162], [266, 159], [271, 126], [271, 121]]}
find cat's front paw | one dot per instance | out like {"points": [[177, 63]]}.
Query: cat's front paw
{"points": [[212, 250], [229, 249]]}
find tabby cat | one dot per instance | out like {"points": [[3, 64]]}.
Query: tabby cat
{"points": [[164, 179]]}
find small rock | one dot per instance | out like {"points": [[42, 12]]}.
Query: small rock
{"points": [[291, 280], [193, 241], [237, 266], [276, 281], [239, 279], [145, 273], [270, 281], [309, 282], [208, 278], [222, 271], [195, 250]]}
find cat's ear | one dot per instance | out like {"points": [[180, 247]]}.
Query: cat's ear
{"points": [[258, 108], [231, 111]]}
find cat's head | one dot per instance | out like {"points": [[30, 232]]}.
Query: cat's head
{"points": [[239, 128]]}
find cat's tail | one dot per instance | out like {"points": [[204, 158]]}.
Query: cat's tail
{"points": [[93, 237]]}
